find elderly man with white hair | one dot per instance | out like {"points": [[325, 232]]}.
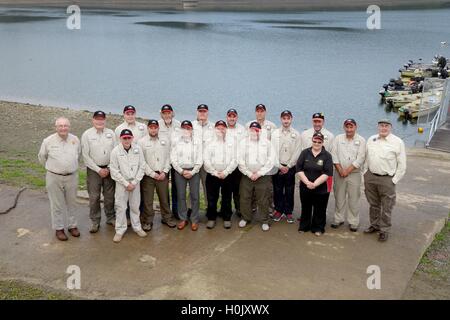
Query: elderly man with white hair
{"points": [[59, 154]]}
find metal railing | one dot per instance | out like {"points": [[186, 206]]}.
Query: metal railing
{"points": [[441, 115]]}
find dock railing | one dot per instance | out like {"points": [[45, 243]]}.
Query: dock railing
{"points": [[441, 115]]}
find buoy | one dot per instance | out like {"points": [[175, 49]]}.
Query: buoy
{"points": [[420, 129]]}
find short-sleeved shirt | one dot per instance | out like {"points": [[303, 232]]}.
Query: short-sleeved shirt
{"points": [[314, 167]]}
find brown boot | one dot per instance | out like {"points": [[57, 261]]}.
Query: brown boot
{"points": [[61, 235], [74, 232], [182, 224]]}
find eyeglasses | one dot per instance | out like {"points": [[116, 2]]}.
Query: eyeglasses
{"points": [[317, 142]]}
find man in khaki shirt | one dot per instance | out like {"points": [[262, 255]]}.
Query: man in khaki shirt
{"points": [[318, 121], [138, 128], [169, 129], [156, 151], [96, 146], [386, 166], [59, 154], [267, 127], [127, 167], [348, 153], [256, 160], [287, 143]]}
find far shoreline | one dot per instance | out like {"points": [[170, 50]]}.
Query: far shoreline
{"points": [[268, 7]]}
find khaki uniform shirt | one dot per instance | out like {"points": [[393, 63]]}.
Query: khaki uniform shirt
{"points": [[386, 156], [186, 153], [58, 155], [96, 147], [156, 153], [256, 157], [219, 157], [307, 138], [169, 133], [288, 145], [139, 130], [266, 128], [127, 167], [349, 152]]}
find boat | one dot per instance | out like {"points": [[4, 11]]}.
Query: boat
{"points": [[420, 108], [401, 100]]}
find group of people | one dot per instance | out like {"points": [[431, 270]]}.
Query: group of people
{"points": [[253, 166]]}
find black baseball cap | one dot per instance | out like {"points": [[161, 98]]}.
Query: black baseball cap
{"points": [[221, 123], [202, 107], [286, 113], [232, 111], [254, 124], [260, 106], [99, 114], [129, 108], [166, 108], [186, 123], [318, 115], [126, 133], [350, 121], [153, 122], [318, 135]]}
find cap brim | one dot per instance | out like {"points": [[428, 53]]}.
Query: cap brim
{"points": [[166, 110], [126, 136]]}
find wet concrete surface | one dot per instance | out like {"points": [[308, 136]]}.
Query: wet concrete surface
{"points": [[231, 264]]}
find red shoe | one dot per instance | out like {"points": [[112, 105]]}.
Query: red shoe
{"points": [[277, 216]]}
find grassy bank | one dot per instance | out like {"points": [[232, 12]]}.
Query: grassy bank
{"points": [[431, 280], [18, 290]]}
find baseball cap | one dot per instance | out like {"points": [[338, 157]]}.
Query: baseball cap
{"points": [[286, 113], [255, 124], [348, 121], [126, 133], [153, 122], [99, 114], [186, 123], [260, 106], [202, 107], [385, 121], [318, 115], [129, 108], [166, 108], [232, 111], [318, 135], [221, 123]]}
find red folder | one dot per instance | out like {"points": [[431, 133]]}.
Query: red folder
{"points": [[329, 183]]}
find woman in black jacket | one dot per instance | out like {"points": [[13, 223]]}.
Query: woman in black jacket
{"points": [[315, 169]]}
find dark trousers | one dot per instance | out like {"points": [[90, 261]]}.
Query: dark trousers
{"points": [[95, 186], [261, 189], [381, 195], [148, 187], [174, 193], [214, 186], [283, 191], [314, 211], [235, 180]]}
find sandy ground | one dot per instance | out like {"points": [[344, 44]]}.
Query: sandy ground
{"points": [[422, 206]]}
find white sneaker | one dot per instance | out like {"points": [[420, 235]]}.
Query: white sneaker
{"points": [[318, 234], [117, 237], [265, 227], [141, 233], [242, 223]]}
